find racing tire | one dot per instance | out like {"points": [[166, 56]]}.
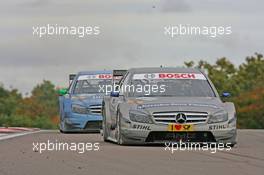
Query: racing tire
{"points": [[120, 137], [60, 127], [232, 145], [105, 134]]}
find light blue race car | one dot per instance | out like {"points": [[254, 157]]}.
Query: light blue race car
{"points": [[80, 104]]}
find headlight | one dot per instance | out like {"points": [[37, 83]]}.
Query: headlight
{"points": [[140, 117], [218, 117], [80, 109]]}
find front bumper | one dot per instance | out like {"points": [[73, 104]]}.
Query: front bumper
{"points": [[142, 133], [82, 123]]}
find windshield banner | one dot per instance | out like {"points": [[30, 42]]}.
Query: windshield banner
{"points": [[96, 76], [194, 76]]}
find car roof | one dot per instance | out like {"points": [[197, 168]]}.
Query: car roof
{"points": [[95, 72], [164, 69]]}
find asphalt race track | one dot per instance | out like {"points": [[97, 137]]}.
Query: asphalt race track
{"points": [[17, 157]]}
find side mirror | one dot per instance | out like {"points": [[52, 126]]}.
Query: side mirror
{"points": [[226, 94], [114, 94], [62, 92]]}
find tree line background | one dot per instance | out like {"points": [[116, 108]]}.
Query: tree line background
{"points": [[245, 83]]}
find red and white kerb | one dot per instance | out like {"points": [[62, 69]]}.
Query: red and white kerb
{"points": [[97, 76], [194, 76]]}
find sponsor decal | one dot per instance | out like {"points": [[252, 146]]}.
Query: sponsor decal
{"points": [[178, 127], [156, 105], [147, 98], [193, 76], [177, 76], [217, 127], [105, 76], [96, 76], [97, 97], [85, 96], [134, 101], [141, 127], [149, 76]]}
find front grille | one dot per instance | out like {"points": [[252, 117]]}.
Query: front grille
{"points": [[95, 109], [170, 117], [166, 136]]}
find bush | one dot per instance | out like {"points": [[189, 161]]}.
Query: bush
{"points": [[44, 123]]}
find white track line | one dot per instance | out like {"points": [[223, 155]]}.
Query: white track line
{"points": [[9, 136]]}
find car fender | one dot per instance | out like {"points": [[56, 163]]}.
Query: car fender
{"points": [[67, 103], [61, 101], [105, 105], [231, 110], [123, 109]]}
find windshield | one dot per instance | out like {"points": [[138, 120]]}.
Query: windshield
{"points": [[91, 86], [172, 88]]}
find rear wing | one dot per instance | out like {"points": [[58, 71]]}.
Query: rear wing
{"points": [[117, 75], [71, 78]]}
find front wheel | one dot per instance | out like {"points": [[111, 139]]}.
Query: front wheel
{"points": [[120, 138], [61, 127], [105, 134], [61, 131]]}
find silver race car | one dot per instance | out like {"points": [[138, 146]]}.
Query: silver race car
{"points": [[158, 105]]}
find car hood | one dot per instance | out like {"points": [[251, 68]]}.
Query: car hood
{"points": [[87, 99], [184, 104]]}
